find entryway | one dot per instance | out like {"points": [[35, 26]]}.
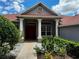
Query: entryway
{"points": [[30, 32]]}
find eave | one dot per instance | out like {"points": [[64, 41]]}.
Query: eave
{"points": [[38, 17]]}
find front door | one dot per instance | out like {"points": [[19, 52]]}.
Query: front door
{"points": [[30, 32]]}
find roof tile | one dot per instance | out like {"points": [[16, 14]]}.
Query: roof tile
{"points": [[69, 20], [11, 17]]}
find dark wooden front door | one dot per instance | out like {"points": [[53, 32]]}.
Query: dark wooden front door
{"points": [[30, 32]]}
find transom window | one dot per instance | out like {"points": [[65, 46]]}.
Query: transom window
{"points": [[46, 29]]}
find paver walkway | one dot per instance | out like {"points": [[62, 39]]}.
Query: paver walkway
{"points": [[27, 51]]}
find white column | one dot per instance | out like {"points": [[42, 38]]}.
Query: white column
{"points": [[57, 23], [39, 29], [21, 29]]}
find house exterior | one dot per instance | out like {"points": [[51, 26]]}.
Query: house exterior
{"points": [[37, 22], [69, 28]]}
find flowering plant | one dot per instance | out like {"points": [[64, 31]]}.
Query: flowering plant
{"points": [[39, 49]]}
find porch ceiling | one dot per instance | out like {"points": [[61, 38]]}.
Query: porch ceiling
{"points": [[38, 17]]}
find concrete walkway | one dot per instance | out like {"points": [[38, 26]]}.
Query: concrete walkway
{"points": [[27, 51]]}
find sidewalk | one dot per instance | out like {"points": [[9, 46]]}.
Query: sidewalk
{"points": [[27, 51]]}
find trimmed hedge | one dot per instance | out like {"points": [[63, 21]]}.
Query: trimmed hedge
{"points": [[61, 46], [72, 47]]}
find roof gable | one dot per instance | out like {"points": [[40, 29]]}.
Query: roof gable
{"points": [[39, 9]]}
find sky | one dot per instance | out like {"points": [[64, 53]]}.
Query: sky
{"points": [[61, 7]]}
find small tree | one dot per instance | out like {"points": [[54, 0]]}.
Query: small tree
{"points": [[9, 35]]}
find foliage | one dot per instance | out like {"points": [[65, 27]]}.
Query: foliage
{"points": [[48, 55], [54, 45], [39, 50], [9, 35], [5, 48], [7, 57], [73, 50], [71, 47], [59, 46]]}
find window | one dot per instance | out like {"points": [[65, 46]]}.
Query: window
{"points": [[47, 30]]}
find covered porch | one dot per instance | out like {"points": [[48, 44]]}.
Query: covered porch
{"points": [[35, 27]]}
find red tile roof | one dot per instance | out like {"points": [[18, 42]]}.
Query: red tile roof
{"points": [[69, 20], [11, 17], [65, 21]]}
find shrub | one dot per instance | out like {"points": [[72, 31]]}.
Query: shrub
{"points": [[73, 50], [59, 46], [62, 46], [72, 47], [54, 45], [39, 50], [9, 35]]}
